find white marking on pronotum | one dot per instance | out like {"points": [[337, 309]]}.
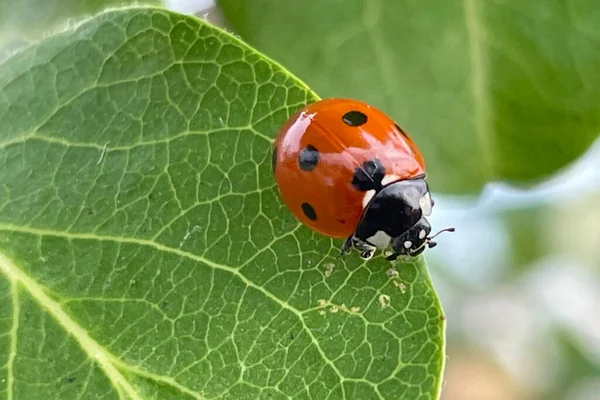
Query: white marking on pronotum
{"points": [[389, 179], [422, 234], [103, 153], [425, 204], [368, 196], [408, 244], [380, 240]]}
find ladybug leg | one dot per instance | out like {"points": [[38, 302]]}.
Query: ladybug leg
{"points": [[367, 254], [396, 255], [393, 257], [366, 249], [347, 246]]}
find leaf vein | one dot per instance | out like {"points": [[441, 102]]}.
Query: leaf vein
{"points": [[478, 80], [99, 353], [91, 347], [13, 338]]}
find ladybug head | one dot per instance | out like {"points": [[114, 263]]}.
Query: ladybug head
{"points": [[396, 217], [414, 241]]}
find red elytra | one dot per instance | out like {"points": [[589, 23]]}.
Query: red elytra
{"points": [[318, 152]]}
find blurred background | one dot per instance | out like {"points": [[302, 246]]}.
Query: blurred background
{"points": [[519, 281]]}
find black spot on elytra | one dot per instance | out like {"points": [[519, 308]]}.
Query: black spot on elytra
{"points": [[401, 131], [70, 379], [354, 118], [308, 158], [274, 158], [309, 211], [369, 176]]}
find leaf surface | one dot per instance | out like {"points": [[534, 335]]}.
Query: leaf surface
{"points": [[144, 252], [490, 90]]}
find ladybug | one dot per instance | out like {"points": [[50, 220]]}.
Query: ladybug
{"points": [[347, 170]]}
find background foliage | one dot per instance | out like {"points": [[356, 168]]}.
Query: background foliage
{"points": [[491, 90]]}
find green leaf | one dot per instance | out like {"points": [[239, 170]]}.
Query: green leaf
{"points": [[144, 251], [22, 21], [490, 90]]}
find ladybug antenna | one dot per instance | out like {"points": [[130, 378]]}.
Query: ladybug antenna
{"points": [[449, 229], [430, 243]]}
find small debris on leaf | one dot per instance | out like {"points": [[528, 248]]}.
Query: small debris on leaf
{"points": [[392, 273], [384, 300], [401, 286], [329, 269]]}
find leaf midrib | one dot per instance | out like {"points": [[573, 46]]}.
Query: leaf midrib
{"points": [[481, 105], [14, 291], [91, 347]]}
